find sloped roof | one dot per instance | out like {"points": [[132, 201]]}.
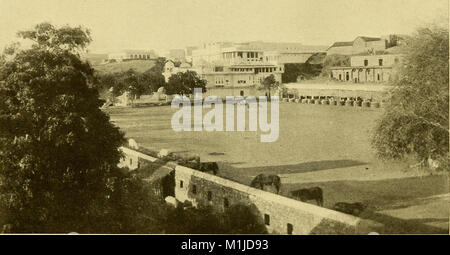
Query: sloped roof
{"points": [[341, 44], [159, 174], [369, 39], [185, 65], [396, 50]]}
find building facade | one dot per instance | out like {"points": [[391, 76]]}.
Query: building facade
{"points": [[370, 68], [230, 65], [132, 55], [171, 68], [361, 44]]}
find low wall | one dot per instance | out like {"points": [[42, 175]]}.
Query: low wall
{"points": [[374, 92], [282, 215], [133, 159]]}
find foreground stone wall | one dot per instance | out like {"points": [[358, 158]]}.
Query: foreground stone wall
{"points": [[134, 159], [282, 215]]}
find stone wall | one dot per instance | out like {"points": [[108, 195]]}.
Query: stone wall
{"points": [[134, 159], [281, 214]]}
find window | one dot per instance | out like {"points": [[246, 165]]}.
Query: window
{"points": [[181, 184], [366, 62], [380, 62], [131, 161], [209, 195], [378, 76], [267, 219], [194, 189], [290, 228], [226, 203]]}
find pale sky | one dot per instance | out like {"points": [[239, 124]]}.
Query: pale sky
{"points": [[165, 24]]}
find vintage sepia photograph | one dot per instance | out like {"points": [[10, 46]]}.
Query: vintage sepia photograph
{"points": [[286, 117]]}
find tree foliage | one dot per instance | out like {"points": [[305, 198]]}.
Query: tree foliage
{"points": [[135, 83], [269, 83], [416, 120], [333, 61], [306, 70], [183, 83], [237, 219], [59, 151]]}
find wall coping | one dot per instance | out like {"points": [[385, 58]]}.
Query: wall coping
{"points": [[316, 210], [137, 153]]}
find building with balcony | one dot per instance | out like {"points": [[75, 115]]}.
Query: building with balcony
{"points": [[234, 65]]}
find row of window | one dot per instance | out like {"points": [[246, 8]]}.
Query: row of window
{"points": [[347, 76], [226, 204], [240, 54], [139, 56]]}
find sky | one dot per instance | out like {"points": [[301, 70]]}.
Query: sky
{"points": [[169, 24]]}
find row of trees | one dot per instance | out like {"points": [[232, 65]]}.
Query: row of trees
{"points": [[137, 84]]}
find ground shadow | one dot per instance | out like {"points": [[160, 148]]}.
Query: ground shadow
{"points": [[393, 225], [245, 174]]}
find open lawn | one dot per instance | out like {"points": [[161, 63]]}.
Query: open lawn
{"points": [[325, 146], [138, 65]]}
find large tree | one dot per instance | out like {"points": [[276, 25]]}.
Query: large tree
{"points": [[183, 83], [58, 150], [269, 83], [416, 120]]}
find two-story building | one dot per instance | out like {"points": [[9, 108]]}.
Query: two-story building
{"points": [[368, 68]]}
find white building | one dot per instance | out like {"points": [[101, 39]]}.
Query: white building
{"points": [[233, 65], [241, 65], [171, 68], [132, 55], [368, 68]]}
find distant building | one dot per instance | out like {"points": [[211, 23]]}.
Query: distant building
{"points": [[227, 65], [132, 55], [189, 50], [230, 65], [177, 55], [368, 68], [171, 67], [361, 44]]}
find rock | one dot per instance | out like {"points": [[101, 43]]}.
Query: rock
{"points": [[171, 201], [163, 153]]}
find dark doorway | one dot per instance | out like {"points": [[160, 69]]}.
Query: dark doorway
{"points": [[290, 228]]}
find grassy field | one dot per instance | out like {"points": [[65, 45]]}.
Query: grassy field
{"points": [[137, 65], [325, 146]]}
